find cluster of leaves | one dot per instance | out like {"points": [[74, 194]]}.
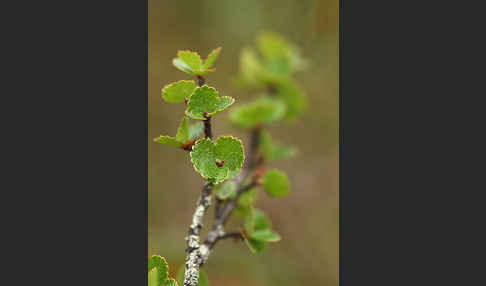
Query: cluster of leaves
{"points": [[191, 63], [271, 69], [158, 274], [218, 161], [186, 134], [215, 161], [281, 100], [257, 231]]}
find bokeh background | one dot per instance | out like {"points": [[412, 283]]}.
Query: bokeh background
{"points": [[307, 219]]}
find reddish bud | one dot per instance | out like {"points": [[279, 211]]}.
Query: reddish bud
{"points": [[220, 163], [188, 145]]}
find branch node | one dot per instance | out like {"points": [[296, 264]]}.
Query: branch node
{"points": [[201, 80]]}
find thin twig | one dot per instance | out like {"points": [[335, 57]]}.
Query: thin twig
{"points": [[251, 156], [207, 121], [195, 255], [201, 80], [254, 144], [198, 253], [235, 234], [217, 231], [222, 216], [232, 204], [207, 128]]}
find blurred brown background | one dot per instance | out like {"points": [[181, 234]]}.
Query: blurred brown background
{"points": [[308, 218]]}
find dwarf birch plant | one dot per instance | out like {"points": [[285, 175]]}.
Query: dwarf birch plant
{"points": [[232, 179]]}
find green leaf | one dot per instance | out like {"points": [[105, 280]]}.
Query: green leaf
{"points": [[264, 110], [183, 131], [281, 152], [204, 158], [192, 59], [254, 245], [244, 208], [259, 231], [251, 70], [224, 102], [195, 130], [181, 65], [277, 54], [225, 190], [191, 63], [248, 213], [265, 235], [162, 272], [272, 45], [153, 277], [230, 150], [282, 57], [183, 135], [203, 278], [171, 282], [273, 151], [211, 58], [206, 102], [167, 140], [276, 183], [177, 92], [205, 154], [258, 227], [247, 198], [261, 222], [294, 98]]}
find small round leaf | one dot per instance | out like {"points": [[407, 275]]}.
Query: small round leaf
{"points": [[206, 102], [205, 154], [276, 183], [261, 111], [177, 92], [159, 263], [211, 58]]}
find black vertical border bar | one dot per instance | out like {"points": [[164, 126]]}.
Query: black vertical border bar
{"points": [[79, 72]]}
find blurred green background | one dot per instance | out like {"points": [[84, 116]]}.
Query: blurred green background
{"points": [[307, 219]]}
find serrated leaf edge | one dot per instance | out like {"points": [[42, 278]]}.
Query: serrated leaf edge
{"points": [[216, 50], [179, 129], [163, 258], [212, 113], [166, 136], [192, 52], [241, 143], [166, 265], [221, 110], [187, 69], [176, 82], [204, 139]]}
